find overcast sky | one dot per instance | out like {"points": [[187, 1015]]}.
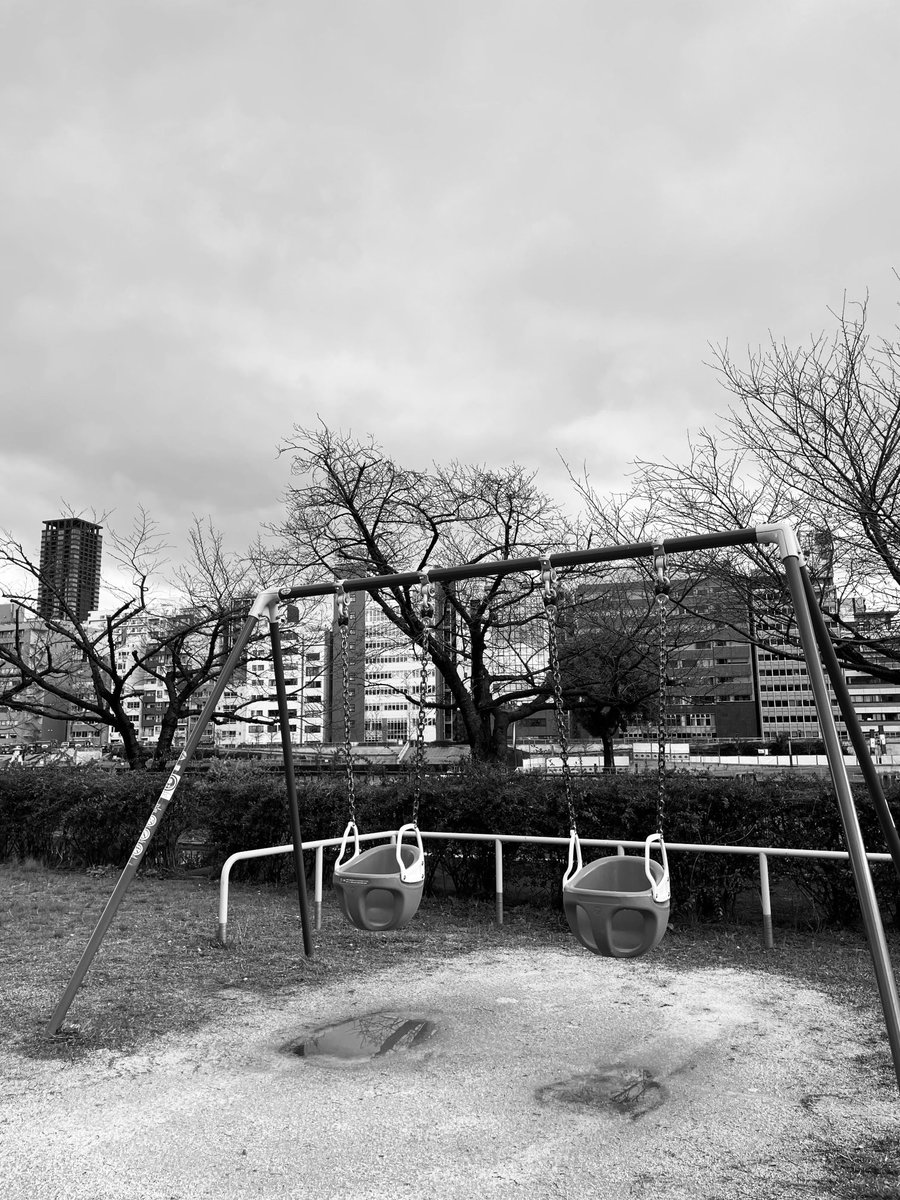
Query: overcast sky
{"points": [[488, 230]]}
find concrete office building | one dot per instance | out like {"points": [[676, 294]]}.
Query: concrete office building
{"points": [[876, 701], [383, 679]]}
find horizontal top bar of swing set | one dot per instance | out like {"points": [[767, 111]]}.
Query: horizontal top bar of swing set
{"points": [[566, 558]]}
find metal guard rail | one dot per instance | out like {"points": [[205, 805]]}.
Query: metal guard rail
{"points": [[763, 853]]}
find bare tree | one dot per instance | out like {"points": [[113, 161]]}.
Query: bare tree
{"points": [[356, 510], [65, 667], [618, 650], [814, 436], [610, 654]]}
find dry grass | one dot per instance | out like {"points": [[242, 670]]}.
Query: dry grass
{"points": [[160, 965], [160, 968]]}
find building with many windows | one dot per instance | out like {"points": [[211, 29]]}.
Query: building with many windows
{"points": [[70, 568], [726, 686], [876, 701], [247, 712], [787, 707], [380, 684], [28, 637]]}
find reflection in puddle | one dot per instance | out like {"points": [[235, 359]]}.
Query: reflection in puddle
{"points": [[371, 1036], [629, 1090]]}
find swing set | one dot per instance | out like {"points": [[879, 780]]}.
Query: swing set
{"points": [[380, 888], [616, 906]]}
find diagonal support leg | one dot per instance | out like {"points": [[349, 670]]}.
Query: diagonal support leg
{"points": [[848, 712], [859, 864]]}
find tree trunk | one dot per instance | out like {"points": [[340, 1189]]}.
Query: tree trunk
{"points": [[500, 737], [162, 752], [134, 752], [609, 758]]}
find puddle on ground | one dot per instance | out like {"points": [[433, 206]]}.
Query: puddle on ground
{"points": [[628, 1090], [374, 1035]]}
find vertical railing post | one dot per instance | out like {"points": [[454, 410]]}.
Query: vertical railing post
{"points": [[498, 881], [766, 901], [317, 902]]}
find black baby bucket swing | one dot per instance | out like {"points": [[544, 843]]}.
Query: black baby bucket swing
{"points": [[617, 906], [380, 888]]}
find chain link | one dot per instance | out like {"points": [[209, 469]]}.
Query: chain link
{"points": [[420, 731], [662, 612], [344, 626], [550, 609], [426, 613]]}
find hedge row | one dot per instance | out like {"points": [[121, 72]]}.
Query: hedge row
{"points": [[90, 817]]}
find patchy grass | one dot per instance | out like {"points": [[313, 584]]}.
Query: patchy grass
{"points": [[160, 968]]}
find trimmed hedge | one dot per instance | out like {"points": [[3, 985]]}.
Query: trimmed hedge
{"points": [[91, 817]]}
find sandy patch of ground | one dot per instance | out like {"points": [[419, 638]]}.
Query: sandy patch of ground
{"points": [[731, 1085]]}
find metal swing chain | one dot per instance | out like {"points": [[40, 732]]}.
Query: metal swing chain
{"points": [[344, 626], [426, 613], [662, 588], [548, 580]]}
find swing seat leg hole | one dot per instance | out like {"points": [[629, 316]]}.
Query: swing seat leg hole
{"points": [[629, 1091], [616, 931], [382, 908], [373, 1035], [369, 905]]}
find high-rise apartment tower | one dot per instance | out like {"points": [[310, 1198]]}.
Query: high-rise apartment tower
{"points": [[70, 568]]}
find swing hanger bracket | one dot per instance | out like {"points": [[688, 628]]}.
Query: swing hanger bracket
{"points": [[548, 582], [426, 595], [343, 604], [662, 587]]}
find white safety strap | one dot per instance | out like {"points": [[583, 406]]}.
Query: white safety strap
{"points": [[659, 889], [415, 872], [575, 860], [340, 857]]}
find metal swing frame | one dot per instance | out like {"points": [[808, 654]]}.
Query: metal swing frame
{"points": [[817, 650]]}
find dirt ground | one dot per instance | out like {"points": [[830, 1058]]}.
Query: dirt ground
{"points": [[556, 1074]]}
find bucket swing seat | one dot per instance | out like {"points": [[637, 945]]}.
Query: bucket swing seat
{"points": [[617, 906], [380, 888]]}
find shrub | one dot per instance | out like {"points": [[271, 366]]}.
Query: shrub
{"points": [[90, 817]]}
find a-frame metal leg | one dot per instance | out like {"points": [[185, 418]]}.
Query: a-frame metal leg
{"points": [[137, 854], [290, 781], [854, 729], [859, 864]]}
